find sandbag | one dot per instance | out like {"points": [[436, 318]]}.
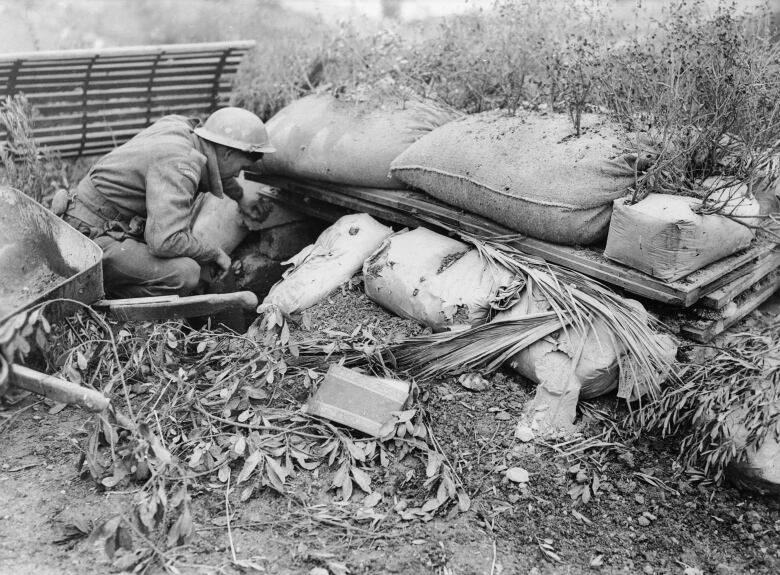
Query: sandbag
{"points": [[332, 260], [550, 361], [568, 366], [663, 236], [440, 282], [529, 173], [219, 222], [760, 471], [323, 138]]}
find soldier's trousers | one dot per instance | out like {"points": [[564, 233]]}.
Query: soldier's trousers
{"points": [[129, 268]]}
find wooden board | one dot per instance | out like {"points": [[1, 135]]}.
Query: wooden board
{"points": [[704, 331], [409, 207]]}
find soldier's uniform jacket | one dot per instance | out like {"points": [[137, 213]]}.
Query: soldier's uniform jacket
{"points": [[147, 187]]}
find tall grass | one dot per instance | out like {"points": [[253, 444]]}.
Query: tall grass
{"points": [[701, 82], [24, 164]]}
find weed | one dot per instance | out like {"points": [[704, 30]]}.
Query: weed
{"points": [[26, 166]]}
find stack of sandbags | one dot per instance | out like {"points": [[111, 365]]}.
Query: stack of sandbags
{"points": [[332, 260], [320, 137], [438, 281], [665, 236], [530, 173]]}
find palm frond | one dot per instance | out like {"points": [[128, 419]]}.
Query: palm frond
{"points": [[486, 346], [576, 301]]}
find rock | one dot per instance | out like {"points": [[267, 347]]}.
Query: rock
{"points": [[474, 382], [628, 458], [524, 433], [639, 499], [756, 527], [517, 475], [643, 521], [723, 569], [648, 569], [318, 571], [649, 516]]}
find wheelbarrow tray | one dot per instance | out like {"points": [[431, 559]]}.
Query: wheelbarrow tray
{"points": [[42, 257]]}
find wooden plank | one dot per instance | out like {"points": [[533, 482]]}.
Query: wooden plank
{"points": [[101, 92], [57, 389], [199, 102], [719, 298], [177, 49], [588, 260], [309, 206], [591, 262], [100, 77], [65, 67], [106, 116], [705, 331], [141, 309]]}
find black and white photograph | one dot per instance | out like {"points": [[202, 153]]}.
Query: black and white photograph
{"points": [[368, 287]]}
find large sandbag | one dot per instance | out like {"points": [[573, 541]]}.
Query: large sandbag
{"points": [[219, 222], [664, 236], [760, 471], [569, 364], [322, 267], [323, 138], [551, 361], [529, 173], [433, 279]]}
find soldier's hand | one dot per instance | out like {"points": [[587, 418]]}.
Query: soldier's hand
{"points": [[223, 263], [252, 206]]}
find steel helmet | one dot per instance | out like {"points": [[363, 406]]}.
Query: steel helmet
{"points": [[236, 128]]}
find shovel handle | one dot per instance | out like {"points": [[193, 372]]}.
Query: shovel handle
{"points": [[149, 309], [57, 389]]}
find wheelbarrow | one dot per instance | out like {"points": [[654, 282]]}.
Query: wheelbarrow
{"points": [[42, 258]]}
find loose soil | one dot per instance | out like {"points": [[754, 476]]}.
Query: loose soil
{"points": [[25, 271], [646, 516]]}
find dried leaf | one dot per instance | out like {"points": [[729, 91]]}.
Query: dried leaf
{"points": [[434, 463], [276, 474], [182, 529], [250, 464], [362, 479], [372, 499], [464, 501]]}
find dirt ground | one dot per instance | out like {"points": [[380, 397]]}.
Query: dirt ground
{"points": [[646, 516]]}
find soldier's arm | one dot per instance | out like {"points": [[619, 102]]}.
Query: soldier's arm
{"points": [[170, 191]]}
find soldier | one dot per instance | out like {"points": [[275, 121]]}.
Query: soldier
{"points": [[136, 202]]}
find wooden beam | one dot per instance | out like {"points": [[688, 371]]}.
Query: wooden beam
{"points": [[133, 51], [704, 331], [590, 261]]}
